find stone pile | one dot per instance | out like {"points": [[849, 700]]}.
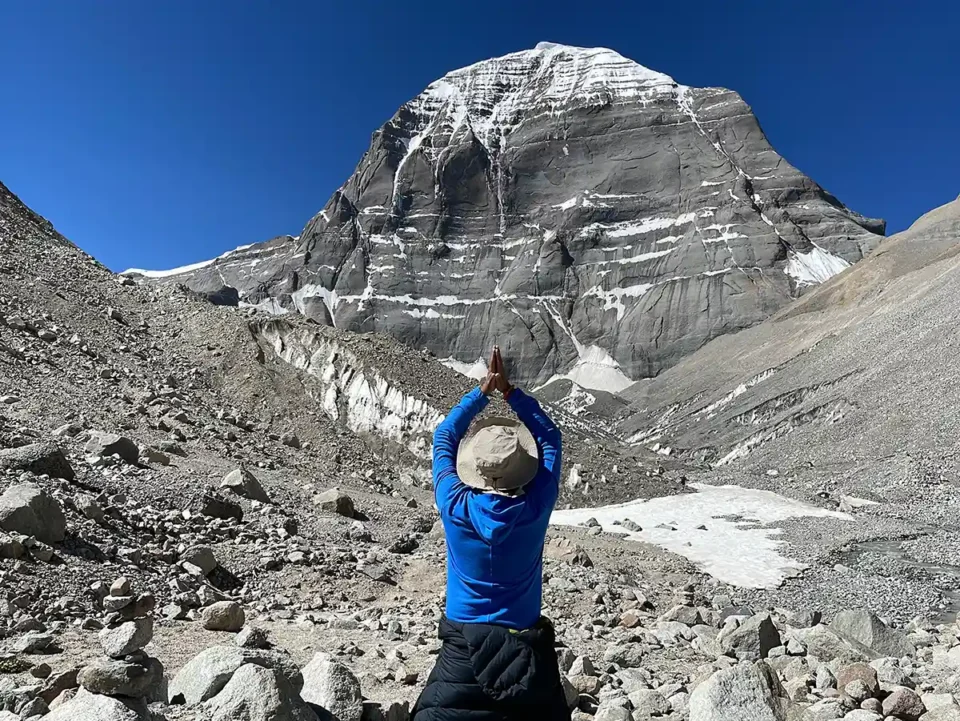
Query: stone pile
{"points": [[128, 678]]}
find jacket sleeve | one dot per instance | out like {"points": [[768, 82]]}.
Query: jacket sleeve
{"points": [[446, 441], [548, 439]]}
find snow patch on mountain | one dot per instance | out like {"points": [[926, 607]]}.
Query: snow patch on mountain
{"points": [[184, 268], [817, 266]]}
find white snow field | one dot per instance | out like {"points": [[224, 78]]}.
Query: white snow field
{"points": [[733, 551]]}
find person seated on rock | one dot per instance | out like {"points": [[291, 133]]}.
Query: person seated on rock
{"points": [[496, 483]]}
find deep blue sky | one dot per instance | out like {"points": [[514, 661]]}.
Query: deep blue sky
{"points": [[155, 134]]}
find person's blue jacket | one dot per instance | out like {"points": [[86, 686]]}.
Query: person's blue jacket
{"points": [[495, 542]]}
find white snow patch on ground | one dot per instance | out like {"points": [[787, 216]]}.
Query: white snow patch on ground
{"points": [[733, 551], [817, 266], [477, 369]]}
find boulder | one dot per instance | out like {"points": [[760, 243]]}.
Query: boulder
{"points": [[223, 616], [647, 702], [825, 710], [252, 637], [859, 672], [889, 672], [25, 508], [88, 506], [867, 632], [824, 644], [205, 675], [244, 483], [625, 655], [255, 693], [862, 715], [32, 642], [613, 713], [202, 557], [11, 547], [687, 615], [739, 693], [123, 678], [127, 637], [934, 701], [570, 694], [333, 687], [216, 506], [86, 706], [57, 684], [112, 444], [41, 459], [753, 640], [944, 713], [335, 501], [904, 704]]}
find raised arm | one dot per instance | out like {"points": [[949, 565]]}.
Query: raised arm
{"points": [[447, 437], [543, 429]]}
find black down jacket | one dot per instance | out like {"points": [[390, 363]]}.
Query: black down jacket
{"points": [[490, 673]]}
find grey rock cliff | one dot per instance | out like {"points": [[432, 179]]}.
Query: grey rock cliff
{"points": [[594, 217]]}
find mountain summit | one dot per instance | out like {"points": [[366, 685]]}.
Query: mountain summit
{"points": [[594, 217]]}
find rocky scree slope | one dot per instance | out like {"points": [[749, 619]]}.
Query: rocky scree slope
{"points": [[594, 217], [855, 372], [845, 398]]}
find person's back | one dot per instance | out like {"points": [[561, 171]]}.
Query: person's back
{"points": [[495, 489]]}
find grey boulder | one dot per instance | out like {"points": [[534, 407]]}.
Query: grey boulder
{"points": [[255, 693], [127, 637], [752, 640], [202, 557], [335, 501], [86, 706], [903, 704], [112, 444], [37, 458], [333, 687], [244, 483], [742, 692], [867, 632], [205, 675], [123, 678], [223, 616], [25, 508]]}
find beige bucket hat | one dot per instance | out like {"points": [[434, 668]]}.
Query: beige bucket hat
{"points": [[498, 454]]}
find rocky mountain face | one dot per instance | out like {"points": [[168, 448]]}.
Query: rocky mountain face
{"points": [[595, 218], [857, 369]]}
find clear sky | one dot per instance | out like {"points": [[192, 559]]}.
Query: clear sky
{"points": [[155, 133]]}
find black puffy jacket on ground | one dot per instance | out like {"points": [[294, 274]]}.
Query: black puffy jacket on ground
{"points": [[490, 673]]}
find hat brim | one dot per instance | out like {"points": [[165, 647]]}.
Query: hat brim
{"points": [[524, 472]]}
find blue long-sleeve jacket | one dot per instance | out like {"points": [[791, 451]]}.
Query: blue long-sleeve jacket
{"points": [[495, 542]]}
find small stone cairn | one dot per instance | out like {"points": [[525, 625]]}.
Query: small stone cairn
{"points": [[127, 670]]}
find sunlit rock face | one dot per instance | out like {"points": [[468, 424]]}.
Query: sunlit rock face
{"points": [[595, 218]]}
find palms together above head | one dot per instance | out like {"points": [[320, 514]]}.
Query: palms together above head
{"points": [[496, 378]]}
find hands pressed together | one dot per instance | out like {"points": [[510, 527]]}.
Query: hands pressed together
{"points": [[496, 378]]}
